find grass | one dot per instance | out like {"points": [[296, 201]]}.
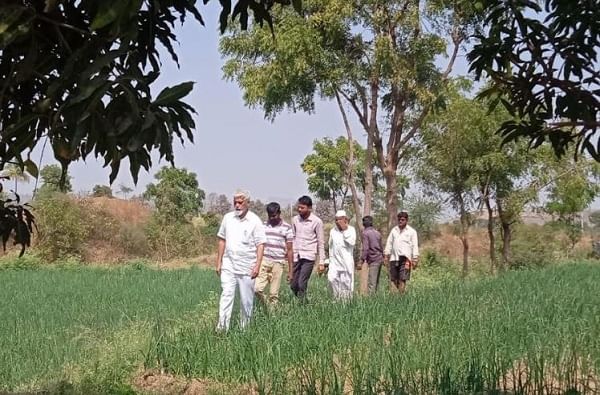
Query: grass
{"points": [[90, 330]]}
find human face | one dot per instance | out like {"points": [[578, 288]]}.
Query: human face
{"points": [[303, 210], [241, 206], [341, 223], [274, 219], [402, 221]]}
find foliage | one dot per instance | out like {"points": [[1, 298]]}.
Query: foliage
{"points": [[94, 320], [374, 57], [132, 238], [450, 354], [174, 239], [14, 172], [51, 180], [16, 220], [541, 58], [423, 214], [572, 193], [102, 191], [79, 74], [125, 190], [63, 227], [536, 246], [327, 169], [218, 204], [176, 195]]}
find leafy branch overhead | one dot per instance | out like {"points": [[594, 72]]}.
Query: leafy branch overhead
{"points": [[79, 73], [542, 59]]}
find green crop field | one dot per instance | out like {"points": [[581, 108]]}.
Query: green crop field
{"points": [[95, 330]]}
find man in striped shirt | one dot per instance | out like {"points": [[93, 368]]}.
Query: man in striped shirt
{"points": [[278, 251]]}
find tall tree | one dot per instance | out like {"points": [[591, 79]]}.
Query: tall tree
{"points": [[570, 195], [450, 148], [542, 59], [79, 74], [328, 169], [176, 196], [378, 58], [15, 173], [125, 190], [51, 180]]}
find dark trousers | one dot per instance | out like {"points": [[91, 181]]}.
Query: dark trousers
{"points": [[302, 270]]}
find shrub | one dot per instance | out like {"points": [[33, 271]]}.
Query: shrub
{"points": [[132, 238], [168, 240], [535, 246], [63, 227]]}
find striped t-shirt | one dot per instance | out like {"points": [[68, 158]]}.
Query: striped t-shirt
{"points": [[277, 237]]}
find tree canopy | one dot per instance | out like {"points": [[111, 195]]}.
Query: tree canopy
{"points": [[376, 58], [542, 59], [176, 195], [79, 73]]}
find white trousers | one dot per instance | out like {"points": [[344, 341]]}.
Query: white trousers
{"points": [[341, 284], [229, 281]]}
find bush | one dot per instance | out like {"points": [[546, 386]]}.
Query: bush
{"points": [[535, 246], [174, 239], [63, 227], [132, 238]]}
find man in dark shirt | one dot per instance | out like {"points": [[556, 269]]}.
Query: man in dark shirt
{"points": [[372, 253]]}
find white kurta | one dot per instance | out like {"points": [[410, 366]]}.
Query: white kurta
{"points": [[341, 262]]}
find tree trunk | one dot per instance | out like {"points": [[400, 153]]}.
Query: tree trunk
{"points": [[506, 235], [368, 199], [391, 201], [350, 168], [490, 227], [464, 235]]}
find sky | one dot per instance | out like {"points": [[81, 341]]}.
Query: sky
{"points": [[235, 146]]}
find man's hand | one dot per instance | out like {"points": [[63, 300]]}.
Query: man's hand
{"points": [[386, 262], [218, 269], [320, 269], [290, 277], [359, 265], [415, 262], [255, 271]]}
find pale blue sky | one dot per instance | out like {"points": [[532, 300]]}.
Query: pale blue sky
{"points": [[234, 145]]}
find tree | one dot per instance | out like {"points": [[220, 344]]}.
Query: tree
{"points": [[176, 195], [125, 190], [570, 195], [51, 180], [328, 170], [16, 173], [376, 58], [79, 74], [218, 204], [542, 62], [450, 148], [102, 191], [424, 212]]}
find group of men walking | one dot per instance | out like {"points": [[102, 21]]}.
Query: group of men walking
{"points": [[252, 255]]}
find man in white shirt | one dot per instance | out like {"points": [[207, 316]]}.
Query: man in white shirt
{"points": [[340, 275], [401, 253], [240, 251]]}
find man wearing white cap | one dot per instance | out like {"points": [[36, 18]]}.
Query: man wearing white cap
{"points": [[240, 252], [340, 275]]}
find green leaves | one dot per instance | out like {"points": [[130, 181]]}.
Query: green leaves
{"points": [[543, 62], [172, 95], [81, 72]]}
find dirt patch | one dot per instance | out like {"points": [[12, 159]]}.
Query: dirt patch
{"points": [[161, 383]]}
